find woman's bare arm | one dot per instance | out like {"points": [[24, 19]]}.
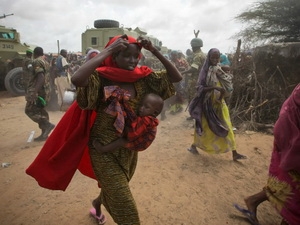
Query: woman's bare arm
{"points": [[121, 142], [173, 73]]}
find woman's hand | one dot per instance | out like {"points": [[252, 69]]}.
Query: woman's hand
{"points": [[120, 44], [173, 74], [222, 93], [97, 145], [221, 90], [81, 76], [219, 100], [31, 99], [146, 43]]}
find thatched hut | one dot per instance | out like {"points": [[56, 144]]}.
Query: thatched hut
{"points": [[263, 78]]}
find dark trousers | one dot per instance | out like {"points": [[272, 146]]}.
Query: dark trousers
{"points": [[37, 114]]}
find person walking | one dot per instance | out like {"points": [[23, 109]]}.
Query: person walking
{"points": [[283, 184], [63, 79], [191, 74], [120, 57], [62, 64], [86, 120], [213, 129], [38, 93]]}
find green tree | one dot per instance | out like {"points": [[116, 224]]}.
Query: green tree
{"points": [[271, 21]]}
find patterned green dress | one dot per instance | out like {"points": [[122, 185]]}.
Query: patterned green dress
{"points": [[115, 170]]}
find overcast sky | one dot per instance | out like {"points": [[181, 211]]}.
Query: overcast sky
{"points": [[173, 22]]}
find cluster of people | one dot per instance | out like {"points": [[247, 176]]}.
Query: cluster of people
{"points": [[189, 67], [115, 114], [175, 104]]}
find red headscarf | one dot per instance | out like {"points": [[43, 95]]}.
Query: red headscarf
{"points": [[110, 70]]}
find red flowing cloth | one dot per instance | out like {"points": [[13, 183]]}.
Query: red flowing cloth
{"points": [[66, 149]]}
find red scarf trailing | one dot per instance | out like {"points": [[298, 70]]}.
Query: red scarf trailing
{"points": [[66, 149]]}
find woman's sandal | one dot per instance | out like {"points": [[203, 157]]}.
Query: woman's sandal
{"points": [[248, 214], [101, 219], [239, 157]]}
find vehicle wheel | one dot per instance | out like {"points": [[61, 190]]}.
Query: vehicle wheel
{"points": [[14, 83], [106, 23]]}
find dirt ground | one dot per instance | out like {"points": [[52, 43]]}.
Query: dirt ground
{"points": [[171, 186]]}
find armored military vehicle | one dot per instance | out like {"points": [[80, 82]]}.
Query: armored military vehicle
{"points": [[105, 29], [12, 53]]}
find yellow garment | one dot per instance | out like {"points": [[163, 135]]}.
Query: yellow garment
{"points": [[210, 142]]}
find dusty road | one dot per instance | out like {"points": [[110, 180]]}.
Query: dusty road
{"points": [[171, 186]]}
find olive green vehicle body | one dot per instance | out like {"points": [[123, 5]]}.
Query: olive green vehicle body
{"points": [[12, 53], [104, 30]]}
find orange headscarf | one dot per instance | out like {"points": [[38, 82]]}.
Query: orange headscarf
{"points": [[110, 70]]}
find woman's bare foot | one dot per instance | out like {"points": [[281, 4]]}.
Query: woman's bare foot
{"points": [[193, 150], [253, 201], [252, 207], [96, 204], [283, 222], [236, 156], [100, 219], [96, 211]]}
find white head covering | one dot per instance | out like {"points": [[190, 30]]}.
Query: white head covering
{"points": [[88, 55]]}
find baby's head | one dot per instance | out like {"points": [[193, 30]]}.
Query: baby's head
{"points": [[152, 105], [226, 68]]}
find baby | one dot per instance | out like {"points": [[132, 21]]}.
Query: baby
{"points": [[141, 130]]}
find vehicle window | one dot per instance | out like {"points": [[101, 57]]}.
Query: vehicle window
{"points": [[6, 35]]}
